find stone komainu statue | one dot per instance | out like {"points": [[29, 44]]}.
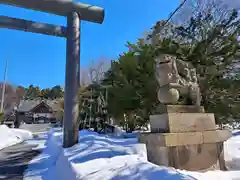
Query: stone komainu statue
{"points": [[176, 78]]}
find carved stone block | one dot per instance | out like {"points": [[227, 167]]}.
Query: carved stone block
{"points": [[185, 138], [163, 109], [182, 122]]}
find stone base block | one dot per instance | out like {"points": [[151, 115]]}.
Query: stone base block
{"points": [[190, 151], [163, 109], [190, 157], [182, 139], [182, 122]]}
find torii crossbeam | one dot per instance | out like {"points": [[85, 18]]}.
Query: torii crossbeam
{"points": [[74, 12]]}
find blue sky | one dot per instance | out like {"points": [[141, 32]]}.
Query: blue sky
{"points": [[40, 60]]}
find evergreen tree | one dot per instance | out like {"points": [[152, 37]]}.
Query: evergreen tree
{"points": [[211, 46]]}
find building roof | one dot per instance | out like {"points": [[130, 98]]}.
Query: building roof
{"points": [[27, 105]]}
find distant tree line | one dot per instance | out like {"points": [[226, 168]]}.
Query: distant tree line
{"points": [[14, 94], [33, 92]]}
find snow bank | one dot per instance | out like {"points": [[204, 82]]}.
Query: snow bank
{"points": [[24, 134], [118, 131], [9, 136], [236, 132], [232, 151], [93, 145], [126, 167], [51, 164], [214, 175], [59, 168], [95, 157], [100, 157]]}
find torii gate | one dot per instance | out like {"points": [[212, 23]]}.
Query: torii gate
{"points": [[74, 12]]}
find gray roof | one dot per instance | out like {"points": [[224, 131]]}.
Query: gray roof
{"points": [[27, 105]]}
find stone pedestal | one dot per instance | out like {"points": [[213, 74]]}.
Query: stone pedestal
{"points": [[185, 140]]}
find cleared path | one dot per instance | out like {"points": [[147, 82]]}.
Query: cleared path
{"points": [[36, 128], [14, 160]]}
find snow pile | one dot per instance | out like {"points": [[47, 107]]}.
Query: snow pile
{"points": [[126, 167], [9, 136], [214, 175], [118, 131], [24, 134], [92, 145], [51, 164], [59, 167], [232, 151], [100, 157], [96, 157]]}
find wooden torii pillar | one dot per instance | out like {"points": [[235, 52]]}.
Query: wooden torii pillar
{"points": [[74, 12]]}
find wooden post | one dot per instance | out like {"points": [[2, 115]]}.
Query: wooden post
{"points": [[71, 113]]}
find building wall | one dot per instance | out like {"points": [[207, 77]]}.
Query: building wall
{"points": [[21, 117], [47, 115], [41, 113], [29, 119], [44, 118]]}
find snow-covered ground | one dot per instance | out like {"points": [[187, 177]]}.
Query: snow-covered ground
{"points": [[100, 157], [9, 136], [232, 152]]}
